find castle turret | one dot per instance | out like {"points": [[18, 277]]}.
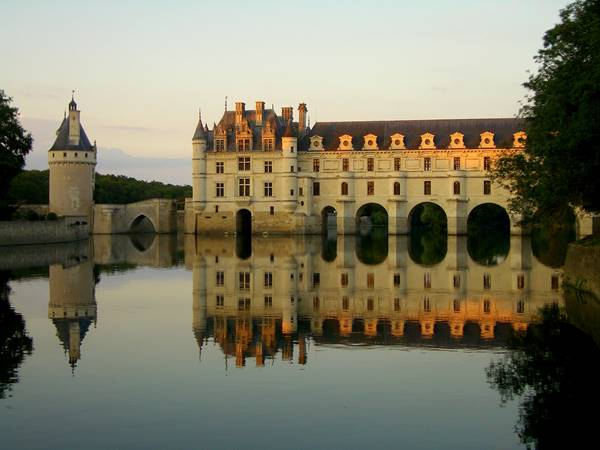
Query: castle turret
{"points": [[289, 179], [199, 144], [72, 166]]}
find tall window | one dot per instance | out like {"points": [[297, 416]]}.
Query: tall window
{"points": [[220, 167], [456, 188], [244, 281], [456, 163], [268, 189], [220, 189], [316, 165], [396, 188], [316, 188], [487, 187], [220, 278], [345, 164], [397, 164], [268, 302], [244, 187], [426, 163], [219, 145], [427, 187], [370, 188], [486, 163], [344, 188], [268, 279], [243, 145], [268, 166], [244, 163], [220, 301], [344, 279], [370, 164]]}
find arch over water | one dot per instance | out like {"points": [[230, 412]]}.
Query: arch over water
{"points": [[142, 241], [488, 234], [142, 224], [243, 222], [371, 216], [328, 219], [428, 242]]}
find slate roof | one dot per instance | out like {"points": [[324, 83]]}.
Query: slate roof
{"points": [[503, 130], [62, 139], [200, 132]]}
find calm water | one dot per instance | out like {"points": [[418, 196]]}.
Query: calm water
{"points": [[366, 342]]}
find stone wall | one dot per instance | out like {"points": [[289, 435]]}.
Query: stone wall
{"points": [[582, 267], [43, 232]]}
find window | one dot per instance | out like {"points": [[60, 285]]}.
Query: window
{"points": [[370, 165], [292, 192], [316, 188], [316, 165], [486, 163], [243, 145], [268, 166], [344, 188], [520, 281], [300, 192], [456, 305], [216, 208], [370, 304], [268, 189], [396, 304], [244, 279], [345, 164], [427, 280], [345, 303], [487, 187], [220, 301], [426, 304], [220, 278], [244, 163], [268, 144], [291, 169], [370, 280], [268, 279], [316, 303], [486, 306], [268, 302], [220, 189], [272, 210], [219, 145], [244, 187], [370, 188], [396, 279], [554, 282], [316, 279], [244, 304], [456, 281], [396, 188], [456, 163], [397, 164], [487, 281], [456, 188], [344, 279], [520, 307], [427, 164], [427, 187], [220, 167]]}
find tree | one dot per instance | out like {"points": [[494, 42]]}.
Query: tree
{"points": [[15, 143], [560, 164]]}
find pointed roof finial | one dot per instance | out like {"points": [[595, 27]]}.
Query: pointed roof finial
{"points": [[72, 104], [225, 103], [73, 95], [199, 113]]}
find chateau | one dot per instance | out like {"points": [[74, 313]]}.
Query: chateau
{"points": [[260, 172]]}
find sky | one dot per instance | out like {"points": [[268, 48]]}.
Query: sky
{"points": [[142, 69]]}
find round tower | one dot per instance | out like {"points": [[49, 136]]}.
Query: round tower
{"points": [[72, 167], [199, 144], [289, 177]]}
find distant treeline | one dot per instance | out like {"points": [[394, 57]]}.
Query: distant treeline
{"points": [[31, 187]]}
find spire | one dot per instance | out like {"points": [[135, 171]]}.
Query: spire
{"points": [[289, 131], [199, 134], [72, 104]]}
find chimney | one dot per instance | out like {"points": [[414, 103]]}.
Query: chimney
{"points": [[287, 114], [260, 109], [240, 107], [302, 110]]}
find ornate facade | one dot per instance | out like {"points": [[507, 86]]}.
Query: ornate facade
{"points": [[260, 170]]}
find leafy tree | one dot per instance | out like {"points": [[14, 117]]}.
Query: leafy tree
{"points": [[561, 161], [15, 143]]}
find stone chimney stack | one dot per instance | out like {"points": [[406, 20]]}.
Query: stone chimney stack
{"points": [[287, 113], [260, 109], [240, 107], [302, 110]]}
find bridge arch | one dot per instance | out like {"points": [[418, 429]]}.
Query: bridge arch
{"points": [[141, 224], [428, 240], [488, 234], [328, 219], [243, 222], [371, 215]]}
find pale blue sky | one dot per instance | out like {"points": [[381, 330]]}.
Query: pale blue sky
{"points": [[141, 69]]}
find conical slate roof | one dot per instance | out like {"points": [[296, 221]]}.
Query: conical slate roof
{"points": [[62, 139], [200, 133]]}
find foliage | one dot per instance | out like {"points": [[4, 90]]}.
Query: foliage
{"points": [[551, 370], [561, 161], [15, 143]]}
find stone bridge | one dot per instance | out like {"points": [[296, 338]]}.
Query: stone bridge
{"points": [[155, 215]]}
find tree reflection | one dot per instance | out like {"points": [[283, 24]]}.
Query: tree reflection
{"points": [[14, 341], [488, 238], [549, 242], [552, 368], [428, 235], [372, 248]]}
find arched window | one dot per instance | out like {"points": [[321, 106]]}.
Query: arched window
{"points": [[344, 188], [396, 188], [457, 188]]}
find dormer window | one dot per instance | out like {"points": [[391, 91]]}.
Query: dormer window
{"points": [[243, 145], [487, 140], [345, 142], [427, 141], [519, 139], [397, 142], [219, 145], [316, 143], [370, 142], [268, 144], [457, 140]]}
